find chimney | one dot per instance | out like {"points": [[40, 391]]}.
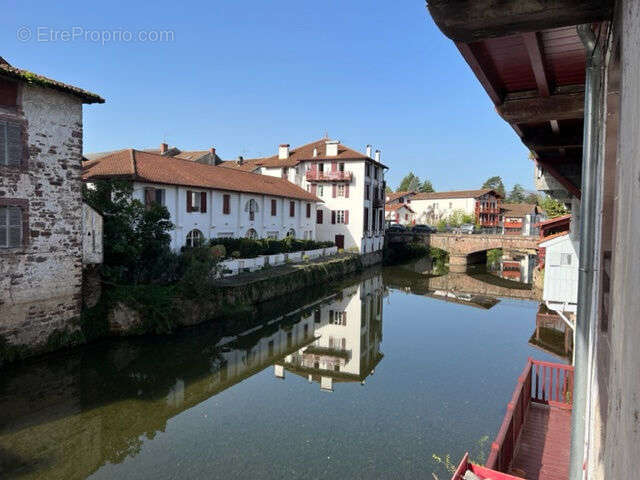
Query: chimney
{"points": [[369, 151], [315, 152], [240, 160], [163, 148], [377, 156], [212, 151], [332, 148], [283, 151]]}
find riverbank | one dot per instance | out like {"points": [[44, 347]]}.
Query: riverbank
{"points": [[133, 310]]}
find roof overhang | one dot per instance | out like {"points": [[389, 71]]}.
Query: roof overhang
{"points": [[531, 62]]}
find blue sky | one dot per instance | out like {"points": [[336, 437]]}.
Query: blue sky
{"points": [[245, 76]]}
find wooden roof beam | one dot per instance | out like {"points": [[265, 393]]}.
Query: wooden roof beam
{"points": [[473, 20], [486, 78], [543, 109], [534, 49], [552, 141]]}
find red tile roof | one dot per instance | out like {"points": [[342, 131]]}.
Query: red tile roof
{"points": [[453, 194], [299, 154], [397, 206], [519, 209], [551, 221], [153, 168], [551, 237], [395, 195], [31, 78]]}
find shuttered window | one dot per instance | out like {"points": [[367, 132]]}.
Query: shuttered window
{"points": [[226, 204], [10, 144], [292, 209], [308, 210], [10, 227], [274, 208]]}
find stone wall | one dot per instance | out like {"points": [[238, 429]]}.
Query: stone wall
{"points": [[40, 282]]}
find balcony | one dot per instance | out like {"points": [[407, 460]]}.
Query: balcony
{"points": [[534, 439], [316, 176], [377, 203]]}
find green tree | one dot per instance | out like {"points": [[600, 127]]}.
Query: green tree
{"points": [[426, 186], [388, 189], [496, 184], [517, 194], [532, 198], [136, 238], [552, 207], [409, 183]]}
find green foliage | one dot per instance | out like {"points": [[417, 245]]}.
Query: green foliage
{"points": [[136, 239], [426, 186], [442, 225], [496, 184], [388, 189], [552, 207], [10, 353], [493, 256], [199, 272], [248, 248], [403, 252], [517, 194], [409, 183]]}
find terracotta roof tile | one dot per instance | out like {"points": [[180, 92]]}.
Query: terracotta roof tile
{"points": [[39, 80], [152, 168], [551, 221], [395, 195], [397, 206], [299, 154], [551, 237], [452, 194], [519, 209]]}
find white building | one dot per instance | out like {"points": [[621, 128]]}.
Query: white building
{"points": [[561, 272], [347, 332], [483, 204], [206, 201], [400, 213], [349, 183]]}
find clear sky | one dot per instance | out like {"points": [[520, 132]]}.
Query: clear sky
{"points": [[245, 76]]}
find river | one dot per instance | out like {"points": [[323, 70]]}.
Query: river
{"points": [[365, 378]]}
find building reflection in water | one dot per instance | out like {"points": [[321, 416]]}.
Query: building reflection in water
{"points": [[347, 332], [68, 416], [552, 334], [516, 267]]}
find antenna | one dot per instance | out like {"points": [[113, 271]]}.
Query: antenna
{"points": [[326, 135]]}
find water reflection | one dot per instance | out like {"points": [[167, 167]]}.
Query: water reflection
{"points": [[66, 417], [517, 267], [552, 334]]}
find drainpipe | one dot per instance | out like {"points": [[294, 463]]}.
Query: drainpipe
{"points": [[591, 201]]}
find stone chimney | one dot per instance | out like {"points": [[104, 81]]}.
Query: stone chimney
{"points": [[332, 148], [369, 151], [163, 148], [212, 151], [377, 158], [240, 160], [283, 151], [315, 152]]}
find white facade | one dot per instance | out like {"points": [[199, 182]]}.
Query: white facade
{"points": [[245, 218], [561, 273], [401, 215], [350, 202], [432, 210]]}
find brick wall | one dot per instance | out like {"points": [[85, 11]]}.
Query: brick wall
{"points": [[40, 283]]}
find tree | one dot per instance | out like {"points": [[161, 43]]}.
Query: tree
{"points": [[409, 183], [517, 194], [388, 189], [426, 186], [495, 183], [136, 238], [552, 207], [532, 198]]}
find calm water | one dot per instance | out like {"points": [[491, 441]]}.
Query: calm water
{"points": [[363, 379]]}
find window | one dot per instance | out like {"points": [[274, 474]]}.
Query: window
{"points": [[226, 204], [320, 190], [367, 193], [321, 167], [196, 201], [341, 167], [338, 318], [10, 144], [252, 234], [450, 204], [366, 219], [565, 259], [308, 210], [292, 209], [341, 216], [341, 189], [366, 169], [159, 196], [11, 227], [195, 238], [154, 195], [375, 170], [291, 233], [252, 207], [319, 216], [274, 207]]}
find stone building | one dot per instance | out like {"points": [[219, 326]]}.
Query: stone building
{"points": [[41, 223]]}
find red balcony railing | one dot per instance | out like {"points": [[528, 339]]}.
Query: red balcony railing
{"points": [[316, 176]]}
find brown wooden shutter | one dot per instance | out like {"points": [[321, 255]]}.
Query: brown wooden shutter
{"points": [[333, 216], [334, 166], [314, 189], [149, 194], [292, 209], [14, 144], [226, 204], [308, 210], [346, 191], [319, 216], [334, 190], [203, 202], [344, 318], [346, 217], [274, 208], [189, 201]]}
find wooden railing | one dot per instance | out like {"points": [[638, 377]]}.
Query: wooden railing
{"points": [[317, 176], [540, 382], [480, 471]]}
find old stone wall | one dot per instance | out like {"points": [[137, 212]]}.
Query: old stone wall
{"points": [[40, 282]]}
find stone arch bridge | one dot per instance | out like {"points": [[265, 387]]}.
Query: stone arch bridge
{"points": [[466, 249]]}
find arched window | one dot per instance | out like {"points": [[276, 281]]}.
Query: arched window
{"points": [[195, 238], [252, 207], [252, 234], [291, 233]]}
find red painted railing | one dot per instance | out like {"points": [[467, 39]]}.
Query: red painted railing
{"points": [[540, 382], [480, 471], [336, 176]]}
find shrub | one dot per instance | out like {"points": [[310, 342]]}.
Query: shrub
{"points": [[249, 248]]}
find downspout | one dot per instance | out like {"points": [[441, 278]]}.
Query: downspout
{"points": [[591, 200]]}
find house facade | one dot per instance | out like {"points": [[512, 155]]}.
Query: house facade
{"points": [[561, 272], [205, 201], [41, 210], [400, 213], [484, 205], [399, 197], [519, 218], [350, 185]]}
